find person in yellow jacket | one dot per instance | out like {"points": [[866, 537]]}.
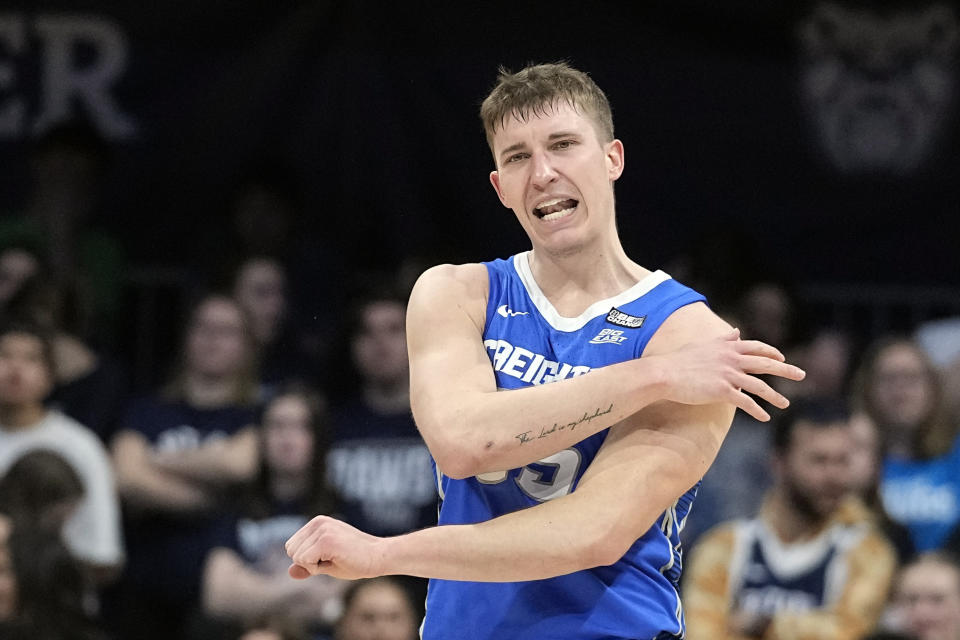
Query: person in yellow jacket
{"points": [[812, 565]]}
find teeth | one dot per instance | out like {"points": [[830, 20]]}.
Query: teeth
{"points": [[550, 203], [559, 214]]}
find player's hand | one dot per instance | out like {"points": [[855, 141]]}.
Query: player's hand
{"points": [[332, 547], [719, 370]]}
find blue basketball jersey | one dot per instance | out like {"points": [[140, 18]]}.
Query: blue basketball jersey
{"points": [[529, 343]]}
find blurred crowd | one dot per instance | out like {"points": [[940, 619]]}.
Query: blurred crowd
{"points": [[162, 512]]}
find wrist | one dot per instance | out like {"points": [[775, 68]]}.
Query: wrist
{"points": [[383, 556], [655, 376]]}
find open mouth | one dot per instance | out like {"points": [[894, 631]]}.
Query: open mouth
{"points": [[555, 209]]}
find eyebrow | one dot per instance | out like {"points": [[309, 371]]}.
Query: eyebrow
{"points": [[553, 136]]}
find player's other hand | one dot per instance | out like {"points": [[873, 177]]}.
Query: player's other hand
{"points": [[332, 547], [719, 370]]}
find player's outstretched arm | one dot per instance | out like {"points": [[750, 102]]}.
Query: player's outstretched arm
{"points": [[471, 429], [645, 464]]}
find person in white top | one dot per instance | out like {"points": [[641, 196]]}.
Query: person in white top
{"points": [[93, 531]]}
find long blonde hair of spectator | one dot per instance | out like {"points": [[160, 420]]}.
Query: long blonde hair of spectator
{"points": [[935, 435]]}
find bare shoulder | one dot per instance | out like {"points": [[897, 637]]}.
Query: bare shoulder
{"points": [[691, 323], [448, 288]]}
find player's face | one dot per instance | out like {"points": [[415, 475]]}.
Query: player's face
{"points": [[287, 435], [378, 612], [815, 469], [557, 176], [929, 597], [25, 376]]}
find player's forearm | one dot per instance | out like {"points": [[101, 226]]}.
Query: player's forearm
{"points": [[483, 432], [549, 540]]}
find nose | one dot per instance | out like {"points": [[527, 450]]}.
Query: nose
{"points": [[543, 171]]}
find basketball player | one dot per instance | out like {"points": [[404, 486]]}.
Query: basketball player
{"points": [[562, 498]]}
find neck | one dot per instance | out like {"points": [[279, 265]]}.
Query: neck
{"points": [[787, 522], [288, 486], [21, 416], [575, 280], [205, 392], [388, 398]]}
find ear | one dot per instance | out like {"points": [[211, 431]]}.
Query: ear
{"points": [[614, 157], [495, 181]]}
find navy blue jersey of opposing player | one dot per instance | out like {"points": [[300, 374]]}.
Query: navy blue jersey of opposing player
{"points": [[529, 343]]}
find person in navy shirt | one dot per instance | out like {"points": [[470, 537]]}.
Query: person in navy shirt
{"points": [[180, 456], [563, 493]]}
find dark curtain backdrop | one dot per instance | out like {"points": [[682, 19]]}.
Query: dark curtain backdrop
{"points": [[373, 105]]}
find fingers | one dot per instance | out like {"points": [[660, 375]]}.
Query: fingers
{"points": [[759, 388], [750, 405], [765, 365], [757, 348], [297, 572]]}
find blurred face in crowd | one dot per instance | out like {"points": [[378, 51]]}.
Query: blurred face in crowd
{"points": [[288, 435], [900, 388], [380, 346], [379, 611], [814, 471], [261, 291], [8, 580], [16, 267], [864, 453], [768, 309], [929, 597], [25, 376], [216, 339]]}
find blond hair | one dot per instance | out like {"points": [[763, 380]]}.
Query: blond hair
{"points": [[537, 90]]}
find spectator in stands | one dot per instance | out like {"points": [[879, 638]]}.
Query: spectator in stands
{"points": [[826, 359], [8, 580], [940, 340], [378, 463], [377, 609], [90, 386], [866, 467], [811, 563], [272, 630], [42, 590], [18, 264], [179, 456], [927, 601], [260, 286], [246, 578], [68, 168], [41, 491], [93, 532], [898, 388]]}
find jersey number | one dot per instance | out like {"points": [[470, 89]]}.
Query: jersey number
{"points": [[551, 477]]}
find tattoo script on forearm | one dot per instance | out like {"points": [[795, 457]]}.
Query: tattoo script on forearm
{"points": [[528, 436]]}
